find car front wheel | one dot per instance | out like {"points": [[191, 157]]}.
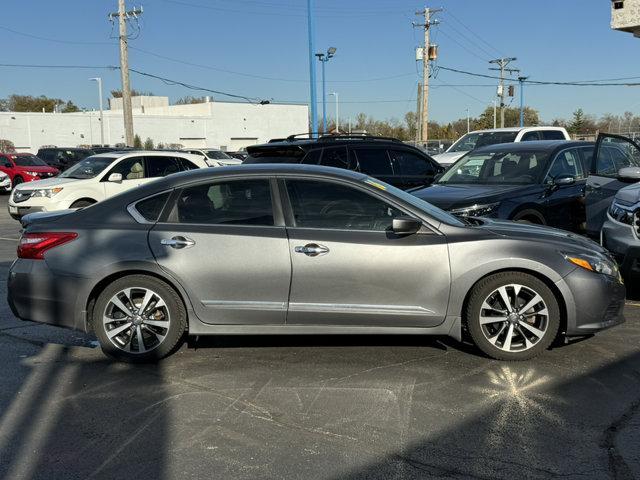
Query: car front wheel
{"points": [[139, 318], [512, 316]]}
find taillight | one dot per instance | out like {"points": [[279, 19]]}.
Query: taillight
{"points": [[34, 245]]}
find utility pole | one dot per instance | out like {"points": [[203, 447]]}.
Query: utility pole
{"points": [[123, 15], [503, 63], [468, 121], [494, 113], [428, 53]]}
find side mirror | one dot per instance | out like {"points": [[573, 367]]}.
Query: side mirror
{"points": [[405, 225], [564, 180], [115, 177], [629, 174], [438, 176]]}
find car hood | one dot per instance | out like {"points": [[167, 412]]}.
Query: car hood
{"points": [[448, 158], [565, 241], [447, 197], [630, 194], [48, 183]]}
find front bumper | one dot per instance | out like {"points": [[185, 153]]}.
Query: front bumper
{"points": [[18, 212], [596, 302], [34, 293], [620, 240]]}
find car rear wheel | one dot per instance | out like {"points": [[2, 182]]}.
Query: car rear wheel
{"points": [[512, 316], [139, 318]]}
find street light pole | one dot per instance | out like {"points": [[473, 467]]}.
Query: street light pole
{"points": [[335, 94], [521, 80], [99, 82], [324, 58], [468, 122], [312, 66]]}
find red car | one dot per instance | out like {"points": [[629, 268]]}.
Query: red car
{"points": [[24, 167]]}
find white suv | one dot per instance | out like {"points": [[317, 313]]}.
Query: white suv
{"points": [[482, 138], [96, 178], [214, 157]]}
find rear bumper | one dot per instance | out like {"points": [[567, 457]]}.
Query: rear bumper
{"points": [[597, 302], [34, 293]]}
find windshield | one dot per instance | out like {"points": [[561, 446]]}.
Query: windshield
{"points": [[471, 141], [520, 168], [217, 155], [28, 161], [426, 207], [88, 168]]}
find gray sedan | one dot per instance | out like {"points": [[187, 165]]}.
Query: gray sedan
{"points": [[296, 249]]}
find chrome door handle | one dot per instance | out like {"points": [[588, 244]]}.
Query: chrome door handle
{"points": [[177, 242], [312, 249]]}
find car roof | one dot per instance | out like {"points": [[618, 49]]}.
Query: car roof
{"points": [[516, 129], [539, 145], [326, 140]]}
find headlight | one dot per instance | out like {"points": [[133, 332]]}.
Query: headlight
{"points": [[621, 214], [33, 174], [475, 210], [594, 263], [46, 192]]}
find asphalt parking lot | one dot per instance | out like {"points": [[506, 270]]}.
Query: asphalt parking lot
{"points": [[314, 407]]}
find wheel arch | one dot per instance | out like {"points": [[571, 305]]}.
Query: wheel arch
{"points": [[100, 285], [562, 304], [528, 211], [83, 199]]}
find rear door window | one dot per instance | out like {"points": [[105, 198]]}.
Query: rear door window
{"points": [[566, 163], [151, 208], [233, 202], [284, 154], [337, 157], [373, 161]]}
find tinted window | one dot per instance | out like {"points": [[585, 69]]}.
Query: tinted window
{"points": [[335, 157], [471, 141], [529, 136], [161, 166], [373, 161], [286, 154], [313, 157], [332, 206], [186, 164], [566, 163], [130, 169], [151, 207], [45, 154], [238, 202], [552, 135], [614, 154], [88, 168], [411, 163]]}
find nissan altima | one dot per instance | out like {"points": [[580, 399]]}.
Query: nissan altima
{"points": [[298, 249]]}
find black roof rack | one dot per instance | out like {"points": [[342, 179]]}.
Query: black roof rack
{"points": [[358, 136]]}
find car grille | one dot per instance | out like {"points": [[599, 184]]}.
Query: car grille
{"points": [[45, 175], [22, 195]]}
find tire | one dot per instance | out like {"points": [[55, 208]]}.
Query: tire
{"points": [[16, 181], [81, 203], [532, 217], [531, 331], [164, 308]]}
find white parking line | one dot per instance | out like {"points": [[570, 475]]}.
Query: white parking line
{"points": [[9, 239], [633, 304]]}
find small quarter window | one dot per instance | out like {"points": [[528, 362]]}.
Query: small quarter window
{"points": [[151, 208]]}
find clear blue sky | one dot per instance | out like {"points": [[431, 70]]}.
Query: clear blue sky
{"points": [[563, 40]]}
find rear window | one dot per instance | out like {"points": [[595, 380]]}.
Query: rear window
{"points": [[552, 135], [275, 155], [151, 208]]}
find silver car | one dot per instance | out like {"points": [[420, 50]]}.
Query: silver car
{"points": [[298, 249]]}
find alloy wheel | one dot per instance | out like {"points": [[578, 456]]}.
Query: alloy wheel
{"points": [[514, 318], [136, 320]]}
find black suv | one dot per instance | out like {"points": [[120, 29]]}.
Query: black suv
{"points": [[63, 158], [387, 159]]}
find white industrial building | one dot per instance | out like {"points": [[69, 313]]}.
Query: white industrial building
{"points": [[226, 125]]}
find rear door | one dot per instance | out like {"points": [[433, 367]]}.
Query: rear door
{"points": [[349, 269], [412, 169], [375, 161], [226, 243], [610, 154]]}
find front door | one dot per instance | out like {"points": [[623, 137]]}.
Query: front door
{"points": [[611, 153], [227, 248], [132, 171], [349, 268]]}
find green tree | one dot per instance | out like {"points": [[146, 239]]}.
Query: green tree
{"points": [[577, 124], [148, 144], [137, 141], [188, 100], [134, 93], [29, 103], [6, 146]]}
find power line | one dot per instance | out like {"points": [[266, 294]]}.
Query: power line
{"points": [[24, 65], [461, 45], [69, 42], [474, 33]]}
